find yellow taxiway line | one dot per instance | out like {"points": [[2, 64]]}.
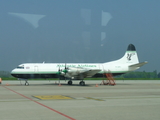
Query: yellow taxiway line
{"points": [[50, 97]]}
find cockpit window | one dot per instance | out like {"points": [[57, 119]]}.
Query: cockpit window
{"points": [[20, 67]]}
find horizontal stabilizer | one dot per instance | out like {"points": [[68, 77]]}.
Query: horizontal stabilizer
{"points": [[138, 64]]}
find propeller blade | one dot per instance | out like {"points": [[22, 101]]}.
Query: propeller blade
{"points": [[65, 69], [59, 73]]}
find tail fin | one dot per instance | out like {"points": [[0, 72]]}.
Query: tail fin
{"points": [[130, 57]]}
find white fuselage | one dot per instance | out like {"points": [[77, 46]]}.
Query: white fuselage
{"points": [[49, 70]]}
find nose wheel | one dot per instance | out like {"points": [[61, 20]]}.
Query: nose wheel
{"points": [[26, 83]]}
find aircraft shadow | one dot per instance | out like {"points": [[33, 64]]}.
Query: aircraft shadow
{"points": [[49, 84]]}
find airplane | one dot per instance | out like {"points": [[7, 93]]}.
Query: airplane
{"points": [[79, 71]]}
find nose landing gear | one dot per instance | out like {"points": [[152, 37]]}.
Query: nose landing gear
{"points": [[26, 83]]}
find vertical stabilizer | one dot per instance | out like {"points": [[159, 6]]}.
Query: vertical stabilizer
{"points": [[130, 57]]}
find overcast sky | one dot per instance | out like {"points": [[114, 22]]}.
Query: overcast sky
{"points": [[78, 31]]}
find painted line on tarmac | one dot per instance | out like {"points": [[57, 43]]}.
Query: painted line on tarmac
{"points": [[94, 99], [52, 97], [40, 104]]}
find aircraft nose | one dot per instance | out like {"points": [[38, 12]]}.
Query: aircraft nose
{"points": [[13, 72]]}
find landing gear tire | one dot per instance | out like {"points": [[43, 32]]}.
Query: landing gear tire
{"points": [[26, 83], [70, 82], [82, 83]]}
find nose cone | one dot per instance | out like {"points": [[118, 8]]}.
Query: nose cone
{"points": [[13, 73]]}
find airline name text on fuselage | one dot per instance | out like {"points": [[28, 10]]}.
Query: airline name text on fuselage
{"points": [[78, 65]]}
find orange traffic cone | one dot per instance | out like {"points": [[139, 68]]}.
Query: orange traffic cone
{"points": [[0, 80], [96, 85], [7, 84]]}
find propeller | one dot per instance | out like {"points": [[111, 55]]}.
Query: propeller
{"points": [[62, 72], [59, 72], [65, 69]]}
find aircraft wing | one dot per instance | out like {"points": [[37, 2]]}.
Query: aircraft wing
{"points": [[90, 72]]}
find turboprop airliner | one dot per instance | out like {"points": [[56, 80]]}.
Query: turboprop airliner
{"points": [[79, 71]]}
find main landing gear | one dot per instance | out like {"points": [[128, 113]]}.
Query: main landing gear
{"points": [[82, 83], [70, 82]]}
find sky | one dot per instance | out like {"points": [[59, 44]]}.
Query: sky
{"points": [[92, 31]]}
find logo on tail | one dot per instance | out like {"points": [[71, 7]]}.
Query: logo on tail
{"points": [[129, 55]]}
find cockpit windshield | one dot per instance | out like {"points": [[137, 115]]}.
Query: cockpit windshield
{"points": [[20, 67]]}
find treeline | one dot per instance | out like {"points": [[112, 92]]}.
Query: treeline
{"points": [[5, 74], [139, 74]]}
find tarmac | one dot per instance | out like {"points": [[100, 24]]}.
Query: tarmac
{"points": [[48, 100]]}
